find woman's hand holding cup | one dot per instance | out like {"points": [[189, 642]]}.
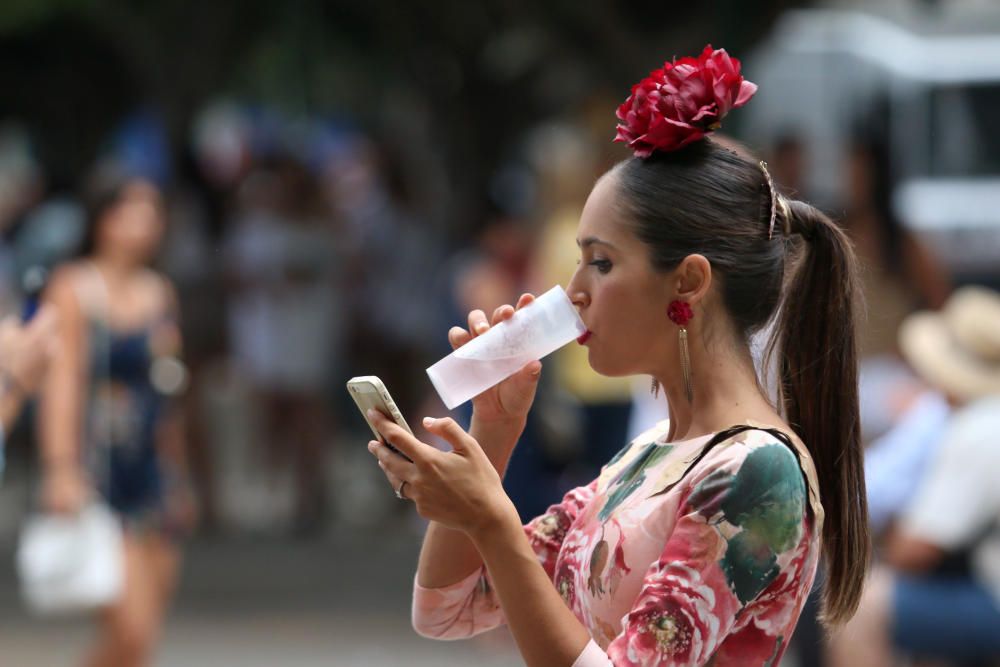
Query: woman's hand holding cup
{"points": [[505, 404]]}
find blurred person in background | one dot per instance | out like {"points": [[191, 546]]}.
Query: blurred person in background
{"points": [[493, 272], [937, 593], [788, 164], [699, 541], [25, 352], [568, 160], [899, 275], [106, 424], [393, 286], [283, 268]]}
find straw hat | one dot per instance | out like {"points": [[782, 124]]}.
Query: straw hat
{"points": [[957, 349]]}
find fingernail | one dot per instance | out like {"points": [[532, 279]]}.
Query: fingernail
{"points": [[429, 421], [481, 327], [371, 413], [371, 446]]}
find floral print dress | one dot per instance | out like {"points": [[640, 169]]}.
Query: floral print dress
{"points": [[678, 554]]}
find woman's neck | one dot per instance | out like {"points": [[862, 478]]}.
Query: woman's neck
{"points": [[725, 391], [115, 268]]}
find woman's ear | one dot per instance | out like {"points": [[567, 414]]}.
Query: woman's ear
{"points": [[693, 278]]}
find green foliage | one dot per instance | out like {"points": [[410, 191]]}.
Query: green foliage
{"points": [[22, 14]]}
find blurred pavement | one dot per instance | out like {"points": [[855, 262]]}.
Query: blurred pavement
{"points": [[263, 604]]}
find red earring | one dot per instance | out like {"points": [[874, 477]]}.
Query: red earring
{"points": [[680, 313]]}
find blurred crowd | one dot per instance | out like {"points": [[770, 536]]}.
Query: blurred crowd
{"points": [[300, 255]]}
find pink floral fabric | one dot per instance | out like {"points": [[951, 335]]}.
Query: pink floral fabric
{"points": [[670, 561]]}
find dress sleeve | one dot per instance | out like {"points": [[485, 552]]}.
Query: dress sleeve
{"points": [[738, 538], [470, 606]]}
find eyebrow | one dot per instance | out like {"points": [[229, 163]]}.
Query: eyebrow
{"points": [[593, 240]]}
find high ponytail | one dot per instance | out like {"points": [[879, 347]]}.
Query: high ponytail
{"points": [[814, 341]]}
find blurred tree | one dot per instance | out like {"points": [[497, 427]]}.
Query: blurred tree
{"points": [[453, 81]]}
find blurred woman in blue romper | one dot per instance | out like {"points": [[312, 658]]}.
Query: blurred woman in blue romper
{"points": [[106, 426]]}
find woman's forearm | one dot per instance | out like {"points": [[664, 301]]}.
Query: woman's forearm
{"points": [[448, 555], [546, 631], [61, 396]]}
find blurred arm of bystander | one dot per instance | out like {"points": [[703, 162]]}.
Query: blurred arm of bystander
{"points": [[60, 413], [25, 350]]}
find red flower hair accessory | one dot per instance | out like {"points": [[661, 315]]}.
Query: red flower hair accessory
{"points": [[682, 102]]}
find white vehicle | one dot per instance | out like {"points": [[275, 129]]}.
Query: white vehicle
{"points": [[938, 81]]}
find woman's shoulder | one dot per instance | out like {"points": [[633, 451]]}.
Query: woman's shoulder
{"points": [[756, 463], [753, 437], [68, 286], [69, 273]]}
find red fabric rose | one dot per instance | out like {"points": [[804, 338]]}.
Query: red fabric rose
{"points": [[682, 102], [680, 312]]}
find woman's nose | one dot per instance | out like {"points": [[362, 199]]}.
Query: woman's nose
{"points": [[577, 296]]}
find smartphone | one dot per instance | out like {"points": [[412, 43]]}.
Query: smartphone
{"points": [[368, 392]]}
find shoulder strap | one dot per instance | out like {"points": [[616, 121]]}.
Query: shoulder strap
{"points": [[723, 436], [720, 437]]}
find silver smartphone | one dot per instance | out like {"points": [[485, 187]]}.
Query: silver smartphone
{"points": [[368, 392]]}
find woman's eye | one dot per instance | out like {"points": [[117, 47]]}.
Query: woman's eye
{"points": [[602, 265]]}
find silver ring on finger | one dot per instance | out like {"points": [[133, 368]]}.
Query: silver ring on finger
{"points": [[399, 490]]}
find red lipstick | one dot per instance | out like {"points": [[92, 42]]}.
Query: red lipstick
{"points": [[582, 340]]}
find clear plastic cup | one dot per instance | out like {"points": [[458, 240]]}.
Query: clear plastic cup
{"points": [[536, 330]]}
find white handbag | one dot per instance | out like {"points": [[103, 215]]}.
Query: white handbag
{"points": [[73, 563]]}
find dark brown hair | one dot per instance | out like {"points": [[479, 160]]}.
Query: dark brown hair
{"points": [[706, 199], [103, 190]]}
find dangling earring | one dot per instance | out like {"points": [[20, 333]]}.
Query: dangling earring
{"points": [[680, 313]]}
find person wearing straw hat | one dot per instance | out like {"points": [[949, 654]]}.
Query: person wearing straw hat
{"points": [[938, 595]]}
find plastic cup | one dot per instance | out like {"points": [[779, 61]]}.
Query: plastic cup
{"points": [[536, 330]]}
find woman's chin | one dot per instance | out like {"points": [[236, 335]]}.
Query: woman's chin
{"points": [[601, 367]]}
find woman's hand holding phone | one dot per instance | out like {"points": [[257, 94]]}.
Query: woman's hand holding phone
{"points": [[459, 489], [507, 403]]}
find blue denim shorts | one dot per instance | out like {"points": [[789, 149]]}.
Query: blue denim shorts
{"points": [[947, 617]]}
